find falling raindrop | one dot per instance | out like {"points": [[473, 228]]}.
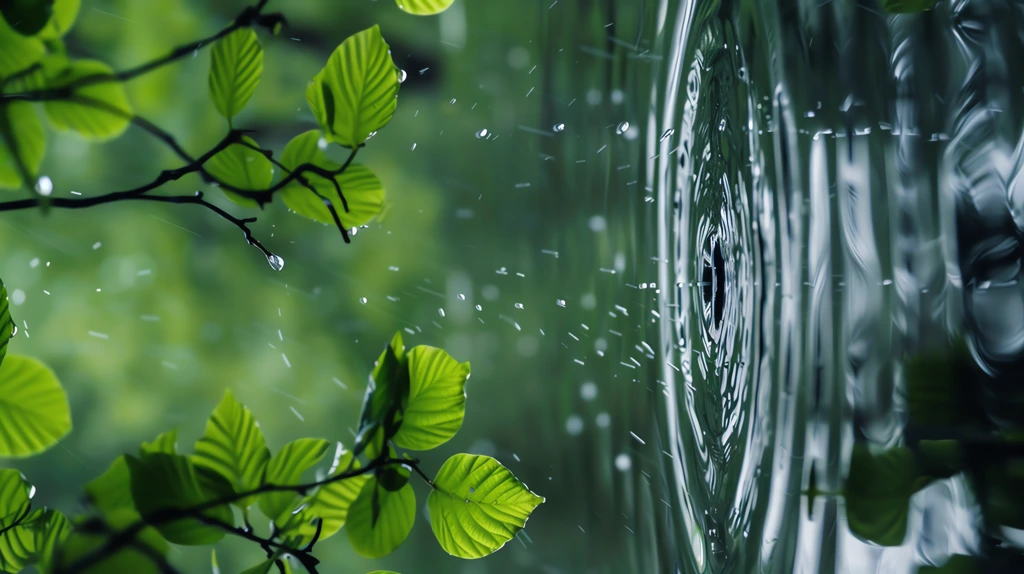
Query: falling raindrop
{"points": [[621, 129], [519, 305], [44, 185], [623, 462], [559, 127], [668, 133], [560, 302], [482, 133], [452, 102], [362, 300], [275, 261], [462, 297], [440, 311], [479, 308]]}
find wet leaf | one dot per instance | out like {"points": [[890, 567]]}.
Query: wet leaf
{"points": [[164, 481], [330, 502], [355, 94], [236, 65], [233, 446], [6, 322], [437, 399], [34, 410], [478, 505], [243, 168], [285, 468], [96, 111], [363, 192], [380, 519], [424, 7], [26, 130]]}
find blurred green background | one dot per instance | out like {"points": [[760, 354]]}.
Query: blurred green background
{"points": [[148, 312]]}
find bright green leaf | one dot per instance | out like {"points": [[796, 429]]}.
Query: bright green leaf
{"points": [[437, 399], [27, 17], [25, 129], [236, 64], [424, 7], [477, 505], [908, 6], [17, 52], [261, 568], [14, 491], [233, 447], [34, 410], [51, 528], [17, 544], [166, 443], [355, 94], [97, 111], [330, 503], [384, 399], [878, 491], [243, 168], [286, 468], [83, 543], [380, 520], [164, 481], [6, 322], [64, 14], [363, 192]]}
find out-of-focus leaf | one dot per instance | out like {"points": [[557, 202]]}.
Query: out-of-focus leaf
{"points": [[17, 52], [64, 14], [233, 447], [112, 491], [82, 543], [477, 505], [25, 129], [236, 65], [166, 443], [34, 410], [27, 17], [355, 94], [241, 167], [97, 111], [424, 7]]}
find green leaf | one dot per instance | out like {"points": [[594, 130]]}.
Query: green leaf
{"points": [[355, 94], [14, 493], [233, 447], [241, 167], [64, 14], [111, 491], [908, 6], [27, 17], [25, 129], [424, 7], [236, 64], [165, 481], [261, 568], [477, 505], [25, 537], [286, 468], [939, 388], [363, 192], [83, 543], [17, 52], [957, 564], [166, 443], [6, 322], [380, 520], [97, 111], [34, 410], [51, 528], [330, 503], [437, 399], [878, 491], [384, 399]]}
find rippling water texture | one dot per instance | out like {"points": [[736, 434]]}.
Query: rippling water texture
{"points": [[831, 188]]}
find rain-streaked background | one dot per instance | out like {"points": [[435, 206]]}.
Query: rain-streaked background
{"points": [[685, 245]]}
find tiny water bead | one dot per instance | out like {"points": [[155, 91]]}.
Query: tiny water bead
{"points": [[440, 311], [574, 425], [479, 308], [276, 262], [560, 302], [623, 462], [44, 185], [558, 127], [482, 133], [362, 300], [402, 76], [462, 297], [622, 128], [519, 305]]}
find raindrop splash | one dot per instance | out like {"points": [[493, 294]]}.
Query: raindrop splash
{"points": [[482, 133]]}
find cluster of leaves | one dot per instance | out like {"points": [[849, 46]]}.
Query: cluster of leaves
{"points": [[146, 501], [948, 432]]}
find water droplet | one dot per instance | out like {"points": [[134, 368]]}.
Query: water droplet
{"points": [[668, 133], [721, 125], [362, 300], [574, 425], [621, 129], [482, 133], [370, 135], [623, 462], [14, 330], [559, 127], [275, 261], [321, 143], [519, 305], [479, 308], [560, 302], [452, 102], [402, 76], [44, 185], [588, 391], [440, 311], [462, 297]]}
